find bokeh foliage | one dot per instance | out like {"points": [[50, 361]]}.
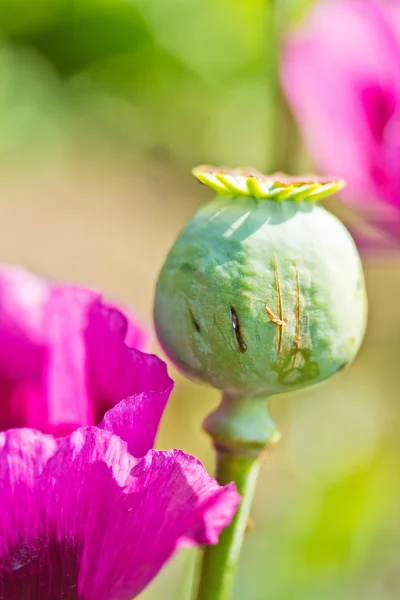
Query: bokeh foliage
{"points": [[181, 82], [183, 79]]}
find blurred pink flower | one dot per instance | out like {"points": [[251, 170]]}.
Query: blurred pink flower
{"points": [[66, 355], [85, 517], [341, 76]]}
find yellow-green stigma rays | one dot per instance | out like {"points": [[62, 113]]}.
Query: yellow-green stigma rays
{"points": [[249, 182]]}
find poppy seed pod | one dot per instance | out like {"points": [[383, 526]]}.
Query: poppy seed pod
{"points": [[263, 291]]}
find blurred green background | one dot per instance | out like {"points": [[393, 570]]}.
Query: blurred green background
{"points": [[104, 107]]}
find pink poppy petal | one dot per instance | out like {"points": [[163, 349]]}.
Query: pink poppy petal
{"points": [[90, 366], [23, 455], [171, 497], [67, 395], [129, 515], [64, 355], [22, 347], [88, 520], [117, 371], [136, 335], [136, 419]]}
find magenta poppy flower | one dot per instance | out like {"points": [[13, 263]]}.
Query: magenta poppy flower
{"points": [[341, 75], [83, 518], [95, 514], [66, 356]]}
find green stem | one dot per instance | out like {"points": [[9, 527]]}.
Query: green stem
{"points": [[219, 562], [282, 134], [241, 429], [272, 40]]}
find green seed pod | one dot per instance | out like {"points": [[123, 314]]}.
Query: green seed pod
{"points": [[263, 291]]}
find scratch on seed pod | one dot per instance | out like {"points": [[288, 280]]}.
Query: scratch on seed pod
{"points": [[194, 322], [274, 318], [237, 330], [297, 339], [278, 320]]}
